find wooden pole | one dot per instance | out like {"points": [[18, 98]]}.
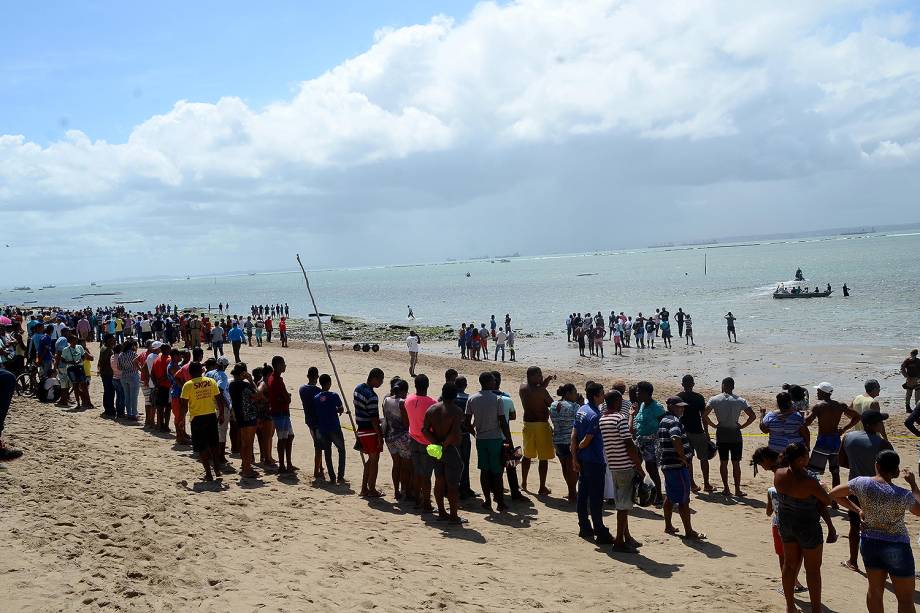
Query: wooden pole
{"points": [[322, 335]]}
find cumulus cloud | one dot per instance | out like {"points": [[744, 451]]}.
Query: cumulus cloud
{"points": [[506, 122]]}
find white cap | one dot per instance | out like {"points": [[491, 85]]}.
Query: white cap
{"points": [[156, 345], [825, 387]]}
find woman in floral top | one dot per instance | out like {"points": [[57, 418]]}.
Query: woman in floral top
{"points": [[885, 541]]}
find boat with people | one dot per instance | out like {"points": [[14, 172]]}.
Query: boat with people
{"points": [[800, 288]]}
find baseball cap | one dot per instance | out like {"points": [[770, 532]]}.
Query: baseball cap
{"points": [[156, 345], [222, 361], [676, 401], [873, 417], [825, 387]]}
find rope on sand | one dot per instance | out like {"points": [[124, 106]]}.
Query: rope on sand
{"points": [[322, 335]]}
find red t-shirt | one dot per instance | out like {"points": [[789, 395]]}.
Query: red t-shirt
{"points": [[282, 326], [159, 371], [279, 401], [141, 361]]}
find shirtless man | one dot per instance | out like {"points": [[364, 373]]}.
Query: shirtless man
{"points": [[538, 435], [910, 369], [442, 427], [828, 412]]}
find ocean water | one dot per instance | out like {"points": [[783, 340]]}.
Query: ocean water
{"points": [[881, 270]]}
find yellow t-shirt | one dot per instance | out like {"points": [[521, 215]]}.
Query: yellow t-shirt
{"points": [[201, 394], [861, 404], [119, 325]]}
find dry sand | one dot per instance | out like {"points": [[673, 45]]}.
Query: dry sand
{"points": [[105, 516]]}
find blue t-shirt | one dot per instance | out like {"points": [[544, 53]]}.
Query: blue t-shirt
{"points": [[587, 421], [307, 394], [326, 407], [235, 335]]}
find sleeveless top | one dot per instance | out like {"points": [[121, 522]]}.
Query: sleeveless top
{"points": [[395, 428]]}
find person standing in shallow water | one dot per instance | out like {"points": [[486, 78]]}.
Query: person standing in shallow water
{"points": [[730, 323]]}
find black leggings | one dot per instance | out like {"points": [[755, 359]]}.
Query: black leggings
{"points": [[7, 386]]}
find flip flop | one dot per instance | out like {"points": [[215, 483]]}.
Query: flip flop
{"points": [[800, 589], [699, 536], [846, 564], [670, 530]]}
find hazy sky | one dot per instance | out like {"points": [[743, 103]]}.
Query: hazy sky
{"points": [[177, 137]]}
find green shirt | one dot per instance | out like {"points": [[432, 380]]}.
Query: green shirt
{"points": [[646, 422]]}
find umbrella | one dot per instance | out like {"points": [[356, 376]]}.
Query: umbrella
{"points": [[5, 321]]}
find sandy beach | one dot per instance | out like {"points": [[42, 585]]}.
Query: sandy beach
{"points": [[103, 516]]}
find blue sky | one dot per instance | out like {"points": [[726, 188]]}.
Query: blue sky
{"points": [[103, 67]]}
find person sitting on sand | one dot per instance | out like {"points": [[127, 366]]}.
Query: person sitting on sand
{"points": [[538, 435], [441, 426], [675, 461], [202, 400]]}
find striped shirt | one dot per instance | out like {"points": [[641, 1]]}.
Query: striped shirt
{"points": [[784, 430], [367, 406], [615, 432], [127, 364], [670, 428]]}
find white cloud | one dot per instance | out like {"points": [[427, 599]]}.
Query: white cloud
{"points": [[517, 108]]}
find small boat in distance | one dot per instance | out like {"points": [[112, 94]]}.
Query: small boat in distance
{"points": [[799, 289], [24, 288], [47, 287]]}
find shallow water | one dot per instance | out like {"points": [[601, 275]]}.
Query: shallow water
{"points": [[538, 292]]}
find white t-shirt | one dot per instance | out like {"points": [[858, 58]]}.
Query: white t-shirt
{"points": [[500, 338], [151, 358], [412, 343]]}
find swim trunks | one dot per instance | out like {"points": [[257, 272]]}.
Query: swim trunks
{"points": [[677, 485], [538, 440], [489, 455], [825, 452], [450, 466]]}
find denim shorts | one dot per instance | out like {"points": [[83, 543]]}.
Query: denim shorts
{"points": [[893, 557], [563, 450]]}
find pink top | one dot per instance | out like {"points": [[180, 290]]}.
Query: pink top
{"points": [[116, 371], [416, 406]]}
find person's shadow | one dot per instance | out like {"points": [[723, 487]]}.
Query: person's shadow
{"points": [[659, 570], [708, 548]]}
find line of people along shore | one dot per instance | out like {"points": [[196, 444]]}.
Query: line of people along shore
{"points": [[618, 445]]}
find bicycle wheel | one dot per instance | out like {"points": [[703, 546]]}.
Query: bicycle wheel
{"points": [[24, 386]]}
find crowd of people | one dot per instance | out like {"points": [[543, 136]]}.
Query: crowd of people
{"points": [[590, 331], [473, 341], [616, 445]]}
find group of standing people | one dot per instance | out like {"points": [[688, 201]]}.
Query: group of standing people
{"points": [[473, 341], [590, 331]]}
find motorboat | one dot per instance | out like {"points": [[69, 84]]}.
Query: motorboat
{"points": [[799, 289]]}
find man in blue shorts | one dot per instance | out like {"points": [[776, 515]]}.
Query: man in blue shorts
{"points": [[675, 461]]}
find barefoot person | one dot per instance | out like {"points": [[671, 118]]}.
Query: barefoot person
{"points": [[675, 454], [858, 451], [328, 407], [485, 416], [279, 402], [370, 434], [828, 412], [245, 412], [412, 342], [645, 426], [728, 408], [910, 370], [697, 431], [202, 401], [441, 426], [538, 435], [562, 413], [417, 405], [307, 393], [799, 523], [885, 543], [625, 465], [396, 435]]}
